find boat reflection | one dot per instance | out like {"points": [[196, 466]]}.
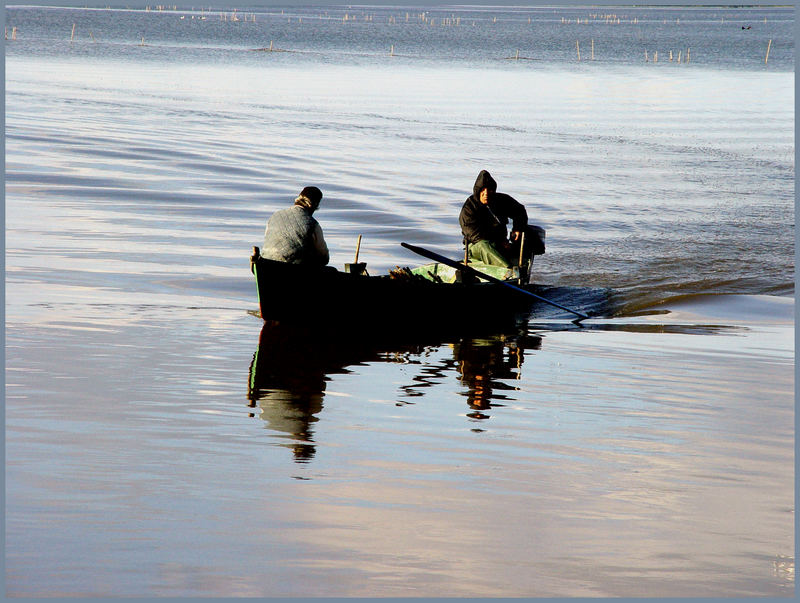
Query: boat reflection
{"points": [[292, 366]]}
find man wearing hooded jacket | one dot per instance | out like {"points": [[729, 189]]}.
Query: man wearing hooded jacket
{"points": [[484, 218]]}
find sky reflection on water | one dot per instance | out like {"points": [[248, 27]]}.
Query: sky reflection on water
{"points": [[157, 445]]}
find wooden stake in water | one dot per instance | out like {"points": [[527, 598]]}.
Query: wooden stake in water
{"points": [[517, 57], [766, 58], [593, 49], [578, 46], [687, 55], [391, 52], [73, 34]]}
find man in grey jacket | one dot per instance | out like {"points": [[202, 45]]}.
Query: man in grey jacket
{"points": [[293, 235]]}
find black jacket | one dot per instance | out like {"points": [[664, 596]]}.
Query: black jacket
{"points": [[488, 222]]}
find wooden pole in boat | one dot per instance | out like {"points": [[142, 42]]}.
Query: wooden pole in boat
{"points": [[469, 270], [358, 248], [521, 255], [355, 267]]}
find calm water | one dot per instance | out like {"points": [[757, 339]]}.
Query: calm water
{"points": [[160, 443]]}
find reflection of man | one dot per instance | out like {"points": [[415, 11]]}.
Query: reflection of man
{"points": [[289, 386], [478, 362], [483, 364], [292, 412], [289, 374]]}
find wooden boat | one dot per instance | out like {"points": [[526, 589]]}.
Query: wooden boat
{"points": [[430, 296]]}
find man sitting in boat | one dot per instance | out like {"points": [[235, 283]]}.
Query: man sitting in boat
{"points": [[293, 235], [483, 220]]}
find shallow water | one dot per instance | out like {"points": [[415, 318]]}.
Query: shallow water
{"points": [[159, 443], [155, 454]]}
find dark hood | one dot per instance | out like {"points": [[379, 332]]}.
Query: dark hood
{"points": [[484, 180]]}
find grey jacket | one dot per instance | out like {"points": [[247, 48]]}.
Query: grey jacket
{"points": [[294, 236]]}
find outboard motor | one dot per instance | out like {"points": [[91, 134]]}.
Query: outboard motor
{"points": [[536, 234]]}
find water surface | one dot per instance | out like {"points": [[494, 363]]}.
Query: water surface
{"points": [[161, 442]]}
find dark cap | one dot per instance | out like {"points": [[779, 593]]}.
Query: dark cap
{"points": [[313, 194]]}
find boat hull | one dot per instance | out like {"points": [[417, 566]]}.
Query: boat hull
{"points": [[305, 295]]}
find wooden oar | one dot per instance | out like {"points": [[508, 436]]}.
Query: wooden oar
{"points": [[431, 255]]}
